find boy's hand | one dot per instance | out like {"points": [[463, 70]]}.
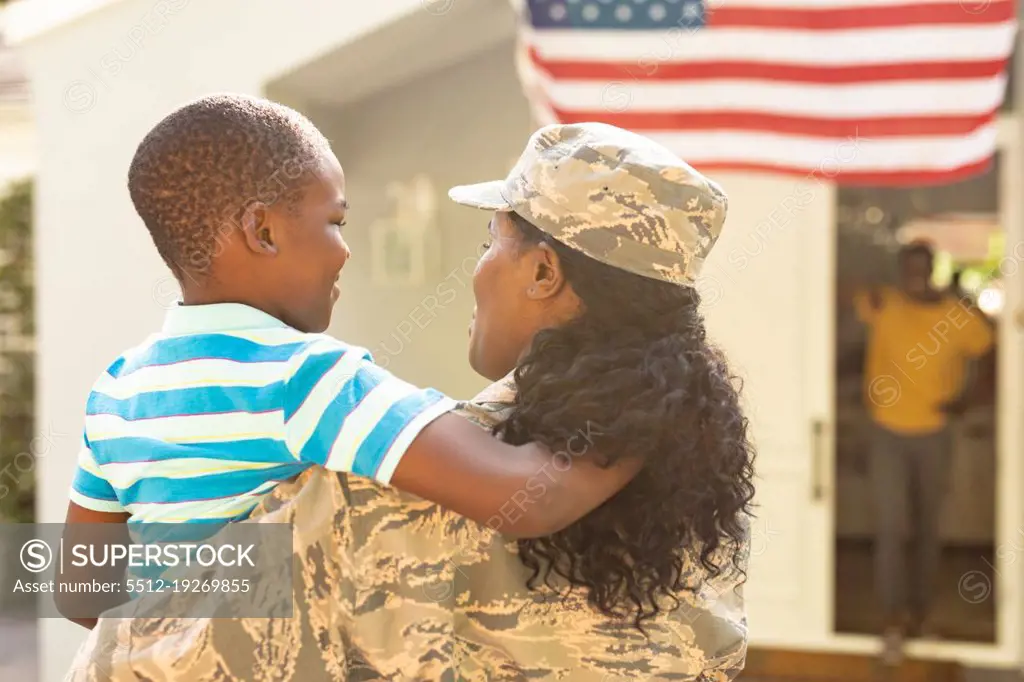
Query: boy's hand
{"points": [[520, 491]]}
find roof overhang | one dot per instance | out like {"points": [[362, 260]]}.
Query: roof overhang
{"points": [[373, 62], [25, 20]]}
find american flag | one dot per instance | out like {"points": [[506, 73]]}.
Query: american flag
{"points": [[863, 91]]}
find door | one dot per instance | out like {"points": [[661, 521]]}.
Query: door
{"points": [[976, 227], [769, 292]]}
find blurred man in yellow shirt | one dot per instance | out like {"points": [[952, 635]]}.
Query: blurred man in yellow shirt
{"points": [[920, 345]]}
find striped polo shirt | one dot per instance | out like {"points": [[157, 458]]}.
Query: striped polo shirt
{"points": [[200, 421]]}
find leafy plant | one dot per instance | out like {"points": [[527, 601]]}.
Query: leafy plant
{"points": [[17, 355]]}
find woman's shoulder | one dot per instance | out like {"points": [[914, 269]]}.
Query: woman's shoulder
{"points": [[490, 406], [501, 392], [484, 415]]}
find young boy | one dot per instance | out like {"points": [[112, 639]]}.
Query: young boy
{"points": [[245, 202]]}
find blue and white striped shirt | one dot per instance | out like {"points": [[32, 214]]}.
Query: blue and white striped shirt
{"points": [[200, 421]]}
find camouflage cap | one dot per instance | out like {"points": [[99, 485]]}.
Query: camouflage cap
{"points": [[618, 197]]}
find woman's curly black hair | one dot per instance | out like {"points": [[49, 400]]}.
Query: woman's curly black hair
{"points": [[634, 375]]}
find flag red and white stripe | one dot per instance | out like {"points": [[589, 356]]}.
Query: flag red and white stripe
{"points": [[865, 91]]}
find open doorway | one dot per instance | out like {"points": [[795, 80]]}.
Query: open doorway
{"points": [[961, 224]]}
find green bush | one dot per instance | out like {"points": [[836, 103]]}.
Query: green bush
{"points": [[17, 355]]}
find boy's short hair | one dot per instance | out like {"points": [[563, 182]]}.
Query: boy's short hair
{"points": [[198, 169]]}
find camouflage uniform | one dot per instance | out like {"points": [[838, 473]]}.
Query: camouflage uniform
{"points": [[390, 587]]}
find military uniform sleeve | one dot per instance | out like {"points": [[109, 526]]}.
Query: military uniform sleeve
{"points": [[725, 626]]}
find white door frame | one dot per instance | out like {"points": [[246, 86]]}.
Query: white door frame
{"points": [[1009, 516]]}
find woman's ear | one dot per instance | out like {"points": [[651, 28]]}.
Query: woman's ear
{"points": [[548, 276]]}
